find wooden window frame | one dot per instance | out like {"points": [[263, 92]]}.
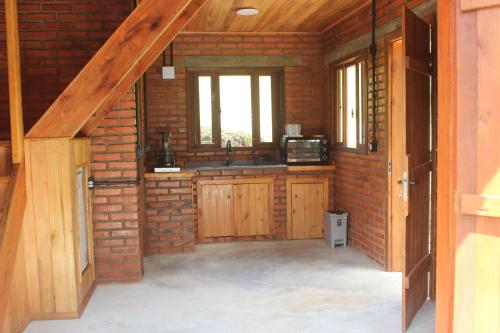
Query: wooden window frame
{"points": [[193, 106], [356, 58]]}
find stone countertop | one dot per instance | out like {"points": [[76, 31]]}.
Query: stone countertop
{"points": [[192, 172]]}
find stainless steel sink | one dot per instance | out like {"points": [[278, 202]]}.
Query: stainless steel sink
{"points": [[242, 164]]}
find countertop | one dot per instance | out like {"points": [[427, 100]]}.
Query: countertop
{"points": [[192, 172]]}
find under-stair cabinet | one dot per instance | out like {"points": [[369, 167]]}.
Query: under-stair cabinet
{"points": [[58, 243]]}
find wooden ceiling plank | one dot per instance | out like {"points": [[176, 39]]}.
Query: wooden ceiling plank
{"points": [[274, 15], [284, 16], [270, 15], [126, 55], [346, 14], [308, 15]]}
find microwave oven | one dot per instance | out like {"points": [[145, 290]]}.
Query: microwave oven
{"points": [[304, 150]]}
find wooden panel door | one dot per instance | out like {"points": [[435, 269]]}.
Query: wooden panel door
{"points": [[215, 210], [252, 211], [307, 204], [416, 78], [397, 153]]}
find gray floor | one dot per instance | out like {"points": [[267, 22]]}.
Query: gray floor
{"points": [[292, 286]]}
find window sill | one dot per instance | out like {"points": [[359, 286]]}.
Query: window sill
{"points": [[362, 150]]}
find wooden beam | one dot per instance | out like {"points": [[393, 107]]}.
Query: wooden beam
{"points": [[10, 233], [15, 91], [248, 60], [127, 54], [364, 41]]}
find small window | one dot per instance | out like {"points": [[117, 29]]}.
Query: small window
{"points": [[350, 104], [237, 105]]}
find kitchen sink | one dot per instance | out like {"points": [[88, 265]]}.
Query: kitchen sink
{"points": [[239, 164]]}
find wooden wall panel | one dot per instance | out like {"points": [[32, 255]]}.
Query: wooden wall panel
{"points": [[49, 229], [468, 230], [17, 316]]}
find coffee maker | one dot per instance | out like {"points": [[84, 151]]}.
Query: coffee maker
{"points": [[166, 159]]}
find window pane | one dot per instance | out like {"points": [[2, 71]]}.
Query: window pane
{"points": [[352, 101], [236, 110], [361, 105], [266, 109], [340, 105], [205, 88]]}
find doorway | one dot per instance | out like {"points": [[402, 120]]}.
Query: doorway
{"points": [[411, 145]]}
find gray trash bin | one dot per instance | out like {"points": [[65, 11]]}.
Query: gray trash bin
{"points": [[336, 228]]}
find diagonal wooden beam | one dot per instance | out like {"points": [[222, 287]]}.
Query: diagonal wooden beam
{"points": [[121, 61]]}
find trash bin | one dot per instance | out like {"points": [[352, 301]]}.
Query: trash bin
{"points": [[336, 228]]}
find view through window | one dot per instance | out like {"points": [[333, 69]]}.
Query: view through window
{"points": [[240, 106], [350, 105]]}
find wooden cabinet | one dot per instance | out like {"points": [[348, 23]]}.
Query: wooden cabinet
{"points": [[307, 201], [57, 230], [252, 214], [216, 210], [235, 207]]}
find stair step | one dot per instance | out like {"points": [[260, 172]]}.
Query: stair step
{"points": [[5, 158]]}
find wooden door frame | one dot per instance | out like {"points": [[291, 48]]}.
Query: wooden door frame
{"points": [[447, 157], [388, 40]]}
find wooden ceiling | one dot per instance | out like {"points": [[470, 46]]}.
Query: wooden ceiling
{"points": [[274, 15]]}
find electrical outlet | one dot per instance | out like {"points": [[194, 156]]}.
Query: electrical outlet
{"points": [[168, 72]]}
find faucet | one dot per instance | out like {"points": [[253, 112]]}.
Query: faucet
{"points": [[228, 150]]}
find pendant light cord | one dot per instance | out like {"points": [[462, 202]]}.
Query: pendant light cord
{"points": [[171, 55], [373, 51]]}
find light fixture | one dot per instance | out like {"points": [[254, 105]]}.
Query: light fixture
{"points": [[247, 11]]}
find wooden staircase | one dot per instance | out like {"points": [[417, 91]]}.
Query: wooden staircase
{"points": [[13, 298], [110, 73]]}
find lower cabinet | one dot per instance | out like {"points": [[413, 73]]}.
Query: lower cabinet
{"points": [[252, 209], [235, 207], [307, 201], [216, 210]]}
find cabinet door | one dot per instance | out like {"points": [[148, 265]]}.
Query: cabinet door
{"points": [[252, 209], [307, 204], [215, 213]]}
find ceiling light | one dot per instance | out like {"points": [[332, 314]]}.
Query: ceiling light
{"points": [[248, 11]]}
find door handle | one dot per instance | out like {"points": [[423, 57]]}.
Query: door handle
{"points": [[411, 182]]}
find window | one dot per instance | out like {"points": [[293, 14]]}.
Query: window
{"points": [[350, 104], [237, 105]]}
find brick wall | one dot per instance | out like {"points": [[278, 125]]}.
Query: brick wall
{"points": [[361, 178], [167, 110], [172, 221], [57, 38], [169, 215], [117, 230]]}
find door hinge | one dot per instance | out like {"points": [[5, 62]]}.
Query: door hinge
{"points": [[389, 167]]}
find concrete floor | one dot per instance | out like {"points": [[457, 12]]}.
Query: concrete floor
{"points": [[291, 286]]}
